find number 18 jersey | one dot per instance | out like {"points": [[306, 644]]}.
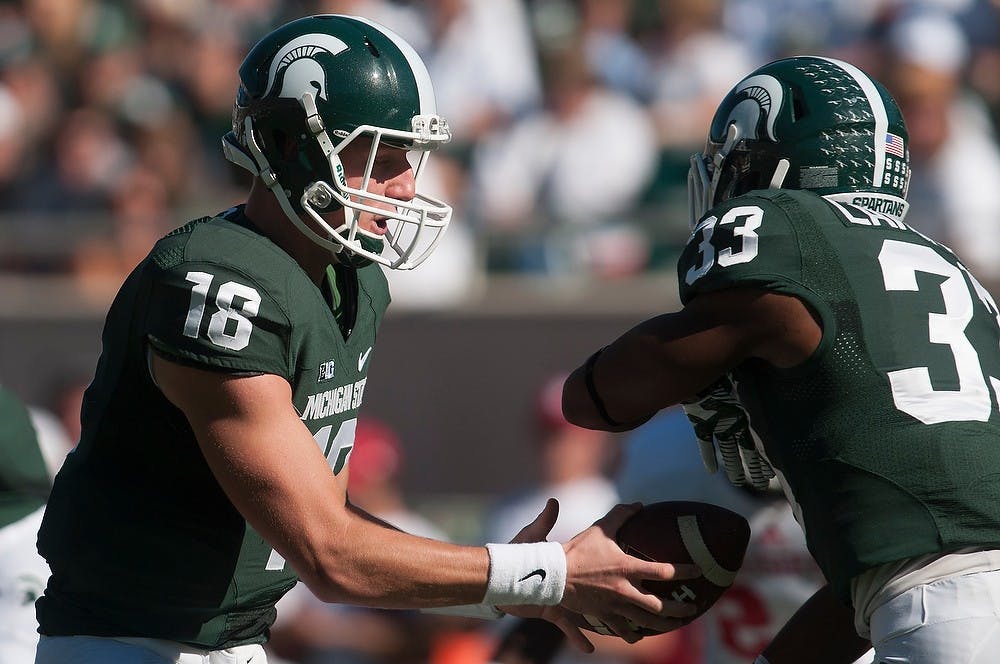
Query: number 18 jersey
{"points": [[141, 539], [888, 438]]}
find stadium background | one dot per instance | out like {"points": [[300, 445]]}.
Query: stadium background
{"points": [[111, 111]]}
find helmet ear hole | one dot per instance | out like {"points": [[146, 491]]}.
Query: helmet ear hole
{"points": [[286, 145]]}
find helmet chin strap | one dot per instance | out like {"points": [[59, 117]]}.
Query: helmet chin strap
{"points": [[317, 128], [314, 121], [701, 183], [732, 136], [780, 171], [263, 170]]}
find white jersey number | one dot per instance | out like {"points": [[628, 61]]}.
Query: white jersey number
{"points": [[751, 217], [912, 390], [230, 325]]}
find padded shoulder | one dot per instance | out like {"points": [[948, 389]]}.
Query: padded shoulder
{"points": [[224, 296], [751, 240]]}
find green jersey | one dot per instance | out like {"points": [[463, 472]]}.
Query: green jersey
{"points": [[888, 438], [140, 537], [24, 479]]}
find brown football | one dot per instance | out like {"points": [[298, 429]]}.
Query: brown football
{"points": [[678, 531]]}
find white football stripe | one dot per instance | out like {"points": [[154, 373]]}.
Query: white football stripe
{"points": [[878, 110], [424, 87], [701, 555]]}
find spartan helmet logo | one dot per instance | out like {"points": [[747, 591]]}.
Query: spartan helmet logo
{"points": [[300, 70], [761, 95]]}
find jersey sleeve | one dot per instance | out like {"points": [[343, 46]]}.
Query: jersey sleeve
{"points": [[206, 313], [746, 241]]}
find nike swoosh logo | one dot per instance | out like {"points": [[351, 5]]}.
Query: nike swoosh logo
{"points": [[363, 358], [540, 573]]}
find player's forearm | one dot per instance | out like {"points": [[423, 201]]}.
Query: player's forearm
{"points": [[623, 385], [362, 562], [821, 632], [669, 358], [276, 476], [586, 406], [656, 364], [618, 387]]}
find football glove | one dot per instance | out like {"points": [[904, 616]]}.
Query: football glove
{"points": [[719, 419]]}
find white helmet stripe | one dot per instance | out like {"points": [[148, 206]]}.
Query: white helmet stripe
{"points": [[428, 106], [878, 110]]}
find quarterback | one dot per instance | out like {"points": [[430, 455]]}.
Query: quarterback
{"points": [[217, 433], [824, 341]]}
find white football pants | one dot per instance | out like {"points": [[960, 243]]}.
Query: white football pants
{"points": [[954, 621], [98, 650]]}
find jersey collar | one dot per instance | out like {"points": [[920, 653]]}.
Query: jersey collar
{"points": [[891, 206]]}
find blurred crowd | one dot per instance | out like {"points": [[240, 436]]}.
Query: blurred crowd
{"points": [[573, 121], [573, 124]]}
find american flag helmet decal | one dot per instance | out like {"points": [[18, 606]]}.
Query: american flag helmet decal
{"points": [[894, 144]]}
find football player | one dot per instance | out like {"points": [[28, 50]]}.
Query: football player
{"points": [[823, 338], [211, 471]]}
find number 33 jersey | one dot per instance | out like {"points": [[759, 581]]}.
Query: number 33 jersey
{"points": [[888, 438], [140, 537]]}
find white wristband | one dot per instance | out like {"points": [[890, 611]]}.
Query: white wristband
{"points": [[532, 573]]}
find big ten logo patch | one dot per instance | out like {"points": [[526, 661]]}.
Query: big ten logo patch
{"points": [[325, 371]]}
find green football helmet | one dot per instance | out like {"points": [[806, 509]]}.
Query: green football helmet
{"points": [[308, 90], [805, 123]]}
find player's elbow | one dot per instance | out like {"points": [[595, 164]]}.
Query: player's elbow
{"points": [[329, 583], [335, 576], [579, 408], [576, 404], [327, 587]]}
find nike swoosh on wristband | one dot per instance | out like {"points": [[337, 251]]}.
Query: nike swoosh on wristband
{"points": [[363, 358], [540, 573]]}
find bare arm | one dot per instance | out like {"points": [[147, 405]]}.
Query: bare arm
{"points": [[268, 464], [271, 469], [669, 358]]}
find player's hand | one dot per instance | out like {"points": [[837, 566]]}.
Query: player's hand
{"points": [[604, 582], [558, 616], [537, 531], [719, 419]]}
